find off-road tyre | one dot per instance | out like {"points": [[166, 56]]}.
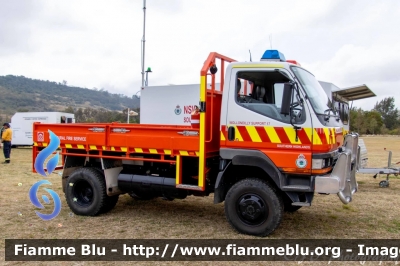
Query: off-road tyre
{"points": [[111, 201], [86, 192], [254, 207]]}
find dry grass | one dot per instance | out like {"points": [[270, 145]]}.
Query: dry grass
{"points": [[374, 212]]}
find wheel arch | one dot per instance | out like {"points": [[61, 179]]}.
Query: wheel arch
{"points": [[109, 168], [244, 163]]}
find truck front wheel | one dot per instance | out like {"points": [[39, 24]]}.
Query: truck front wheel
{"points": [[86, 192], [253, 207]]}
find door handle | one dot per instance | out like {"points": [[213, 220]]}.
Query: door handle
{"points": [[231, 133]]}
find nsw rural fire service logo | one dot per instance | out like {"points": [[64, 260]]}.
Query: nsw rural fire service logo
{"points": [[301, 161], [40, 136], [178, 110]]}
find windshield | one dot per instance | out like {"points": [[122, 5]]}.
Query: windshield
{"points": [[315, 92]]}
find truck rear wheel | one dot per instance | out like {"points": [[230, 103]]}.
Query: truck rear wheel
{"points": [[86, 192], [253, 207], [111, 201]]}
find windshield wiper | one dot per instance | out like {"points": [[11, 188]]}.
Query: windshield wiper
{"points": [[328, 116]]}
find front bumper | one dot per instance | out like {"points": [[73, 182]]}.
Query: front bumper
{"points": [[342, 179]]}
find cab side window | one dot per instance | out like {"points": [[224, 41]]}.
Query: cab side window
{"points": [[262, 92]]}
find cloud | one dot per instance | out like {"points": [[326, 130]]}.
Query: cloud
{"points": [[355, 65], [98, 43], [162, 6], [15, 33]]}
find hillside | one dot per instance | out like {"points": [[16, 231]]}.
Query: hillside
{"points": [[25, 94]]}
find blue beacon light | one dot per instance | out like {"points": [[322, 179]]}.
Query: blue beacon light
{"points": [[274, 55]]}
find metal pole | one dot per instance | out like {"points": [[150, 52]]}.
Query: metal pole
{"points": [[143, 40], [147, 78], [127, 121]]}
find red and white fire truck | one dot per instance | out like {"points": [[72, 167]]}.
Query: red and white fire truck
{"points": [[267, 140]]}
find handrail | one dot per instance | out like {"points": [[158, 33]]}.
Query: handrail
{"points": [[211, 60]]}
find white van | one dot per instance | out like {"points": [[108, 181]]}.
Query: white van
{"points": [[22, 124]]}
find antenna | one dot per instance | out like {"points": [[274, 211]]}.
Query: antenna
{"points": [[143, 40], [270, 40], [250, 55]]}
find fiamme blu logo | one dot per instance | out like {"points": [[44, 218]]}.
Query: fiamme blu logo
{"points": [[50, 166]]}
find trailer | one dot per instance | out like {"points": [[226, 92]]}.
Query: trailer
{"points": [[263, 141], [22, 124], [391, 169]]}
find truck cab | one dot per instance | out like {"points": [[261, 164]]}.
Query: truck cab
{"points": [[277, 113]]}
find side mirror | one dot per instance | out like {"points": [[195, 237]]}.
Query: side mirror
{"points": [[286, 98]]}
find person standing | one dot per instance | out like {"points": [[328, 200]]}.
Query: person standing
{"points": [[6, 138]]}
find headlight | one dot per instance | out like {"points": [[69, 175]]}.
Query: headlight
{"points": [[317, 163], [321, 163]]}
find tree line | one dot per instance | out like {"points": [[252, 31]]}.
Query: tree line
{"points": [[384, 118], [91, 115], [19, 92]]}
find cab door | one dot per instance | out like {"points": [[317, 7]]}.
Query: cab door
{"points": [[254, 121]]}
